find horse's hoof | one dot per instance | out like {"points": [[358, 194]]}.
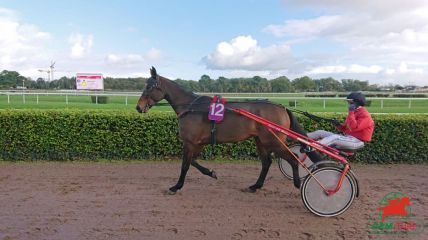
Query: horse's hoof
{"points": [[170, 192], [249, 190], [297, 184], [213, 174]]}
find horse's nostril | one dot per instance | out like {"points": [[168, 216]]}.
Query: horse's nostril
{"points": [[138, 108]]}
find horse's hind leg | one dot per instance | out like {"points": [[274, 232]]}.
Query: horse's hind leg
{"points": [[266, 160], [294, 166], [203, 169], [188, 154]]}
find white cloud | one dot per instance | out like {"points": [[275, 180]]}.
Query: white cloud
{"points": [[7, 14], [379, 8], [353, 68], [154, 54], [403, 73], [129, 59], [305, 28], [20, 40], [378, 40], [328, 69], [80, 44], [243, 53], [113, 58], [357, 20], [132, 60], [132, 29], [25, 48], [403, 68], [356, 68]]}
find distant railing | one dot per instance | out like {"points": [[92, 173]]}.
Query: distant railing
{"points": [[296, 97]]}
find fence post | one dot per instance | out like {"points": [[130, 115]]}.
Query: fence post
{"points": [[8, 98], [381, 104], [96, 99], [23, 98], [66, 99], [126, 100], [324, 103], [37, 98], [410, 103]]}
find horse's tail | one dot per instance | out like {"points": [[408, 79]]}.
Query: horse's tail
{"points": [[294, 124], [296, 127]]}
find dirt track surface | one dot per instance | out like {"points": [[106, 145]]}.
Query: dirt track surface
{"points": [[127, 201]]}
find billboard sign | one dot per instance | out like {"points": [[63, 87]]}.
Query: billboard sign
{"points": [[89, 81]]}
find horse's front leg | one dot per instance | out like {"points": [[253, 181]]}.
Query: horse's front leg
{"points": [[266, 160], [204, 170], [201, 168], [188, 153]]}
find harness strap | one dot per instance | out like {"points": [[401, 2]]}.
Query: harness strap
{"points": [[213, 135], [189, 108], [216, 99]]}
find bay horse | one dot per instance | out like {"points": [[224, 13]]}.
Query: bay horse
{"points": [[195, 128]]}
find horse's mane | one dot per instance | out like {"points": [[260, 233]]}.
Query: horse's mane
{"points": [[178, 85]]}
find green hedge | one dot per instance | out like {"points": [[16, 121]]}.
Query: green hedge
{"points": [[69, 135]]}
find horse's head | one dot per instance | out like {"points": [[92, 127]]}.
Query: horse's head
{"points": [[152, 93]]}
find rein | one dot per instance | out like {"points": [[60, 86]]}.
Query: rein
{"points": [[201, 103], [194, 103], [311, 116]]}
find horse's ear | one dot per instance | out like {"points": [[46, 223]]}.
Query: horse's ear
{"points": [[153, 72]]}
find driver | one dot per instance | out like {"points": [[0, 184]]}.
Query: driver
{"points": [[357, 128]]}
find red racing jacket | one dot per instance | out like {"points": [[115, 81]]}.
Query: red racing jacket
{"points": [[358, 124]]}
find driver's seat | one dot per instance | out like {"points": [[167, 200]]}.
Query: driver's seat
{"points": [[348, 151]]}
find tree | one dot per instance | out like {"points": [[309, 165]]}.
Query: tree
{"points": [[398, 87], [222, 84], [328, 85], [183, 83], [236, 85], [10, 79], [304, 84], [206, 83], [352, 85], [194, 86], [40, 83], [281, 84]]}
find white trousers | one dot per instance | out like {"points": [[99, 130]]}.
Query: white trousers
{"points": [[340, 141]]}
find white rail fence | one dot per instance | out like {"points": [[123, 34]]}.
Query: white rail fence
{"points": [[126, 95]]}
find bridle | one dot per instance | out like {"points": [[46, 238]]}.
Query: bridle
{"points": [[152, 84]]}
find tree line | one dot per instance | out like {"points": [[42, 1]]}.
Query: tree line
{"points": [[256, 84]]}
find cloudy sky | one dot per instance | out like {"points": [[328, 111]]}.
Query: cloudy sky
{"points": [[383, 41]]}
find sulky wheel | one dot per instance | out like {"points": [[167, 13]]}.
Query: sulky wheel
{"points": [[318, 202], [285, 167]]}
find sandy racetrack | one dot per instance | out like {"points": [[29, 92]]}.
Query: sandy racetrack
{"points": [[127, 201]]}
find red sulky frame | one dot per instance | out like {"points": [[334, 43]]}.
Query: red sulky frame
{"points": [[332, 152]]}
